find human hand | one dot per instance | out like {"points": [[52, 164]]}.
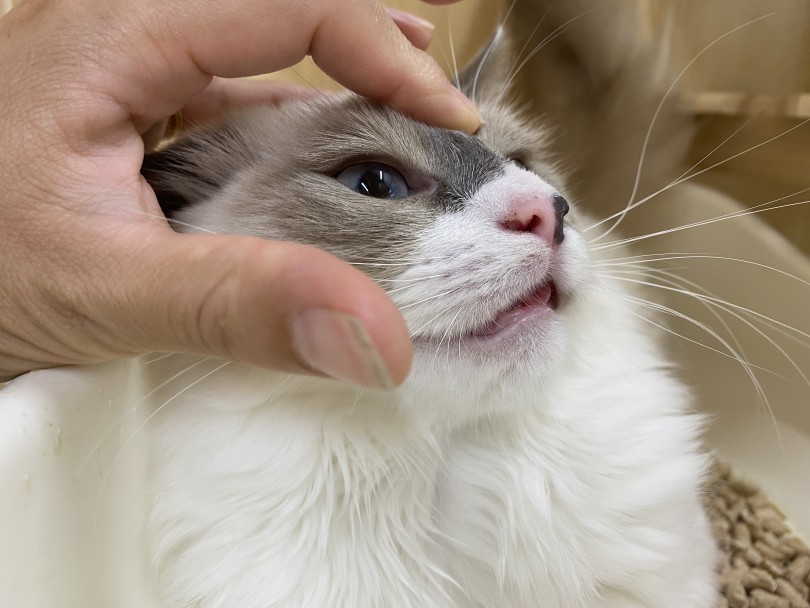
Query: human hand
{"points": [[91, 270]]}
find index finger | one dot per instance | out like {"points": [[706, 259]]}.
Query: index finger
{"points": [[354, 41], [378, 62]]}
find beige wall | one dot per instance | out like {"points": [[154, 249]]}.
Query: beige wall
{"points": [[770, 55]]}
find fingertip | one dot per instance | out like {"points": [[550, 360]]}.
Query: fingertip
{"points": [[380, 63], [341, 346], [442, 106], [391, 339], [452, 110], [345, 326]]}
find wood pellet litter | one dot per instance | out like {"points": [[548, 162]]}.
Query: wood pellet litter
{"points": [[764, 564]]}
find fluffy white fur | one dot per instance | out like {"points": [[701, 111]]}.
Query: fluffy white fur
{"points": [[562, 472], [559, 468]]}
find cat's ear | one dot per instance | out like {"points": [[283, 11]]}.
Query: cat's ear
{"points": [[487, 75], [195, 167]]}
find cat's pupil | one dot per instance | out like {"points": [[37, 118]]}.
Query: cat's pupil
{"points": [[376, 180], [373, 183]]}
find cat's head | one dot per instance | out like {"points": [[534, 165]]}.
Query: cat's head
{"points": [[470, 235]]}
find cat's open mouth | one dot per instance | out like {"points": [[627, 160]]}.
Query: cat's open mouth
{"points": [[543, 300]]}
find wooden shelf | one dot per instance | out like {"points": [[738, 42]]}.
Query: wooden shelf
{"points": [[729, 103]]}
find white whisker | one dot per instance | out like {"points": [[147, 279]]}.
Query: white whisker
{"points": [[158, 358], [682, 283], [172, 220], [488, 52], [517, 63], [711, 300], [306, 81], [677, 182], [412, 280], [417, 332], [662, 257], [633, 262], [447, 335], [433, 297], [747, 367], [456, 74], [740, 308], [677, 281], [382, 264], [732, 215], [106, 435], [138, 430], [729, 354], [357, 396], [741, 316], [549, 38], [412, 283], [657, 112], [715, 149]]}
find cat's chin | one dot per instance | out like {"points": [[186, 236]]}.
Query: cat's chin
{"points": [[516, 322], [538, 307], [518, 334]]}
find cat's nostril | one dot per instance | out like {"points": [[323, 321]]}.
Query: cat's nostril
{"points": [[534, 224], [560, 207], [515, 226], [540, 215]]}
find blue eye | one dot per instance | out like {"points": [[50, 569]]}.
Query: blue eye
{"points": [[374, 179]]}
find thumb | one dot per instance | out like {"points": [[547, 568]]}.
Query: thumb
{"points": [[272, 304]]}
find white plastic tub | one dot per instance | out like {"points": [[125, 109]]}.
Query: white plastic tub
{"points": [[71, 472], [73, 456]]}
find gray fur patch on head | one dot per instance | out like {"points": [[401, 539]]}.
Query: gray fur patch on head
{"points": [[270, 173], [461, 164]]}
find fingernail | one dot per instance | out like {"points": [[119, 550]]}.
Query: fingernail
{"points": [[407, 17], [474, 117], [457, 111], [338, 346]]}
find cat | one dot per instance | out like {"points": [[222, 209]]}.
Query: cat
{"points": [[540, 453]]}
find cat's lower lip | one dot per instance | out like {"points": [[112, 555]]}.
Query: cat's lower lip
{"points": [[542, 301]]}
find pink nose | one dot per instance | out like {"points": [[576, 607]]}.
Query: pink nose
{"points": [[539, 214]]}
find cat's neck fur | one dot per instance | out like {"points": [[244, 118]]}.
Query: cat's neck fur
{"points": [[327, 483], [326, 464]]}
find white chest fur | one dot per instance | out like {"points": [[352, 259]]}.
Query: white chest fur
{"points": [[585, 494]]}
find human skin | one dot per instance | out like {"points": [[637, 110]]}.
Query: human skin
{"points": [[90, 270]]}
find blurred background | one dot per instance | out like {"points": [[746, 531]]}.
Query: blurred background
{"points": [[753, 80]]}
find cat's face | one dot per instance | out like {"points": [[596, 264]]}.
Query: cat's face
{"points": [[470, 235]]}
